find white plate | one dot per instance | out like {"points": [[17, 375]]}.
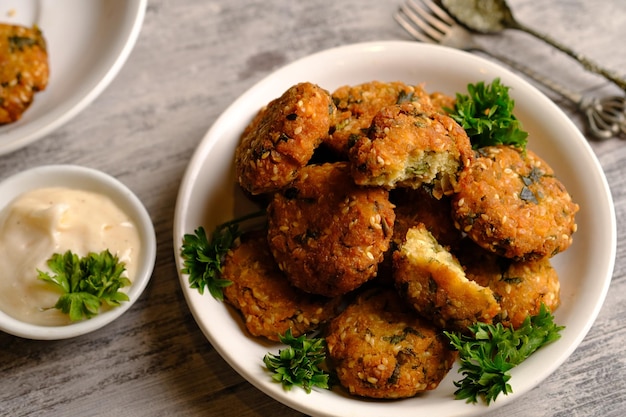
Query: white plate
{"points": [[208, 196], [88, 42]]}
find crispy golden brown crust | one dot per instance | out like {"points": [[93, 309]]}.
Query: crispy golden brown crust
{"points": [[520, 287], [358, 104], [509, 202], [282, 137], [434, 282], [268, 302], [409, 145], [327, 234], [23, 69], [379, 348], [523, 287]]}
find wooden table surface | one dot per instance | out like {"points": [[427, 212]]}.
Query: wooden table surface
{"points": [[191, 60]]}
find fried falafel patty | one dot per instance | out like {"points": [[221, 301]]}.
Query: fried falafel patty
{"points": [[268, 302], [520, 287], [414, 207], [358, 104], [434, 282], [24, 69], [282, 137], [408, 145], [523, 287], [327, 234], [380, 348], [509, 202]]}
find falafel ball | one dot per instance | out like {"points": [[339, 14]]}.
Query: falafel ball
{"points": [[412, 208], [327, 234], [435, 284], [510, 202], [380, 348], [409, 145], [282, 138]]}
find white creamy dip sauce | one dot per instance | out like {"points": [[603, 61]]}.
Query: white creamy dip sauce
{"points": [[42, 222]]}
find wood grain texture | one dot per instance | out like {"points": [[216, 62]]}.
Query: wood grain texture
{"points": [[192, 59]]}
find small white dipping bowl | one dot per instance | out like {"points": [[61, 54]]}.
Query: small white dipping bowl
{"points": [[87, 179]]}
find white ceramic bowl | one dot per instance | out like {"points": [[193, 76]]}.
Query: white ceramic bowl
{"points": [[82, 178], [88, 43], [208, 196]]}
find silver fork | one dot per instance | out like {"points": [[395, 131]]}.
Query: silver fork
{"points": [[427, 22]]}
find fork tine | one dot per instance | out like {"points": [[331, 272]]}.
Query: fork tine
{"points": [[401, 18], [442, 14], [428, 17], [416, 25]]}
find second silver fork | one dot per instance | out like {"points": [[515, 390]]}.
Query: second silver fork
{"points": [[429, 23]]}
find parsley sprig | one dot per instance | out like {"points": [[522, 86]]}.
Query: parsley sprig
{"points": [[486, 114], [491, 351], [299, 363], [87, 282], [203, 257]]}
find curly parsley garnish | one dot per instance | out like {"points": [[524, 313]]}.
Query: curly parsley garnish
{"points": [[298, 364], [87, 283], [202, 258], [486, 114], [493, 350]]}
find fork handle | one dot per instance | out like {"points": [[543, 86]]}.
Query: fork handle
{"points": [[545, 81], [586, 62]]}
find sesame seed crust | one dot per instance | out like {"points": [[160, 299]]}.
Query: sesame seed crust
{"points": [[382, 349], [327, 234], [510, 203], [282, 137]]}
